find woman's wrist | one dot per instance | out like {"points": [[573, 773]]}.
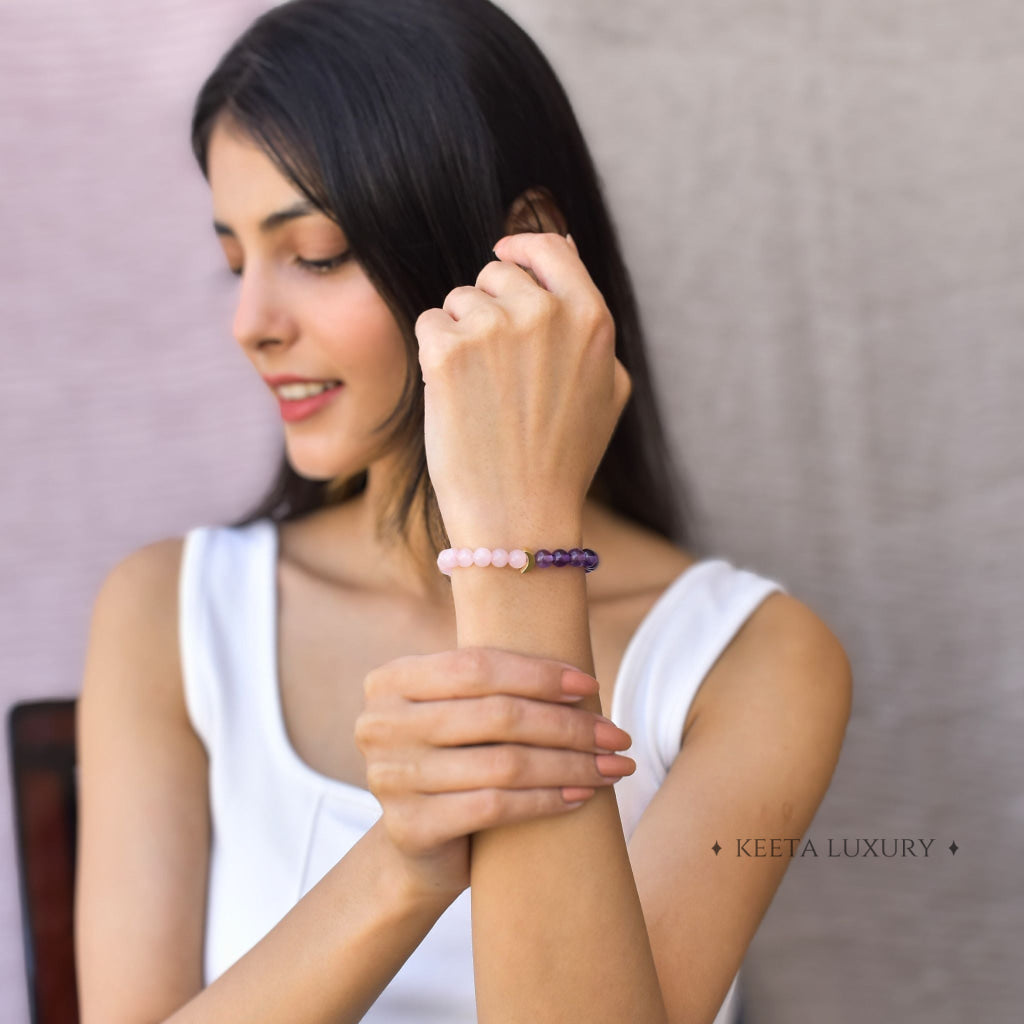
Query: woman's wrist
{"points": [[530, 527], [541, 612], [403, 890]]}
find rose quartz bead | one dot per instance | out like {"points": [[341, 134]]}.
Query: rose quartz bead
{"points": [[446, 561], [499, 557], [482, 557], [464, 557], [517, 558]]}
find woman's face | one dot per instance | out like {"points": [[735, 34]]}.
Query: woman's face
{"points": [[304, 309]]}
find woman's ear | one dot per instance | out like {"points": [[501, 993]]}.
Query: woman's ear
{"points": [[535, 210]]}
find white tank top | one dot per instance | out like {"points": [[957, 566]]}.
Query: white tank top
{"points": [[278, 825]]}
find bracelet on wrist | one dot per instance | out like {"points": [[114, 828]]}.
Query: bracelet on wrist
{"points": [[517, 558]]}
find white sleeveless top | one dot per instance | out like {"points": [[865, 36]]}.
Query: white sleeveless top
{"points": [[278, 825]]}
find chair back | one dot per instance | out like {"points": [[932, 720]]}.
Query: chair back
{"points": [[41, 741]]}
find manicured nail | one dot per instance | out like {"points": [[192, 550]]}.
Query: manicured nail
{"points": [[577, 684], [577, 794], [615, 765], [608, 736]]}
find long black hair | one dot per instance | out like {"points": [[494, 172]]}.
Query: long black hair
{"points": [[414, 125]]}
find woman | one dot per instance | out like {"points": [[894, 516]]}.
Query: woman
{"points": [[302, 746]]}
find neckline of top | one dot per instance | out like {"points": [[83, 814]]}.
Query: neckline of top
{"points": [[348, 790]]}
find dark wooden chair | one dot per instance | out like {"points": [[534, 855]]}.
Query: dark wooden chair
{"points": [[41, 742]]}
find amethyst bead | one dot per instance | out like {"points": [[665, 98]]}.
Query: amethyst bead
{"points": [[576, 557], [543, 558], [560, 556], [591, 560]]}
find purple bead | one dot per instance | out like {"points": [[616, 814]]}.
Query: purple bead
{"points": [[576, 557], [543, 558], [592, 560], [561, 556]]}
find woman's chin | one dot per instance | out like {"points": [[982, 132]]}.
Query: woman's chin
{"points": [[323, 469], [314, 469]]}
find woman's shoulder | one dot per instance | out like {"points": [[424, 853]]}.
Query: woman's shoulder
{"points": [[134, 650], [149, 571], [782, 644], [143, 584], [780, 629]]}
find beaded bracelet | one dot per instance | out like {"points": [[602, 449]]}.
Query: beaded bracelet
{"points": [[517, 558]]}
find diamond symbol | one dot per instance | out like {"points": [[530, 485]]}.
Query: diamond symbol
{"points": [[716, 847], [953, 847]]}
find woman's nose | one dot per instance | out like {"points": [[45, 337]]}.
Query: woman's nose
{"points": [[261, 313]]}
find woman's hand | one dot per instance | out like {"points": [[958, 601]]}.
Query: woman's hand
{"points": [[523, 390], [467, 739]]}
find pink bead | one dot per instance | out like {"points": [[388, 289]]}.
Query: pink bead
{"points": [[517, 558], [499, 557], [482, 557], [446, 561], [464, 557]]}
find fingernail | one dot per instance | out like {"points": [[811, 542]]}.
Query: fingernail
{"points": [[578, 683], [608, 736], [615, 764], [576, 794]]}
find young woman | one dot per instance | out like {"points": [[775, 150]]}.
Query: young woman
{"points": [[327, 775]]}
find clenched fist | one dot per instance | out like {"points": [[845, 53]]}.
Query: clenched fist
{"points": [[522, 390]]}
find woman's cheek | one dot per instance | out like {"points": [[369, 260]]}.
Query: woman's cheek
{"points": [[365, 332]]}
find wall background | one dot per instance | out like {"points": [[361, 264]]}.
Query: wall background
{"points": [[823, 205]]}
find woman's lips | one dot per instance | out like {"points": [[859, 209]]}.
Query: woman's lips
{"points": [[300, 408]]}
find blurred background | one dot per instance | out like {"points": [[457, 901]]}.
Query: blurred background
{"points": [[822, 204]]}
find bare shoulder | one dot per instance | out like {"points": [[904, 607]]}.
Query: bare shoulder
{"points": [[137, 603], [784, 645], [783, 652], [154, 566]]}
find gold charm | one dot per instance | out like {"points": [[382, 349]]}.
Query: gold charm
{"points": [[529, 562]]}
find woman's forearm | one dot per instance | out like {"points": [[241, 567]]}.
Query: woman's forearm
{"points": [[332, 954], [558, 931]]}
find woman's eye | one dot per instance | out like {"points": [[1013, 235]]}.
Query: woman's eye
{"points": [[324, 266], [314, 266]]}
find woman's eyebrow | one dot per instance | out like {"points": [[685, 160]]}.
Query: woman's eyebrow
{"points": [[303, 208]]}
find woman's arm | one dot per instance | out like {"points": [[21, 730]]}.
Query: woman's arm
{"points": [[558, 930], [332, 954], [754, 767], [522, 394], [143, 851]]}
